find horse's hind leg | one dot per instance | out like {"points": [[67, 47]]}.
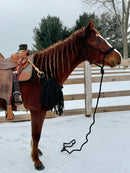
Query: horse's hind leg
{"points": [[37, 118]]}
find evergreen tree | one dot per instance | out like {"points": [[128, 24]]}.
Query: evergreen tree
{"points": [[84, 19], [52, 30], [49, 32]]}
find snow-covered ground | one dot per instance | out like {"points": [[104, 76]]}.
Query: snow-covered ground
{"points": [[108, 149]]}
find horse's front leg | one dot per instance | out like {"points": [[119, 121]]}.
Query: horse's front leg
{"points": [[37, 118]]}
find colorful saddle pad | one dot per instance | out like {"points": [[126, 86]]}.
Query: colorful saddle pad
{"points": [[26, 73]]}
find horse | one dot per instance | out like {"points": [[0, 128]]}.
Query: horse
{"points": [[58, 61]]}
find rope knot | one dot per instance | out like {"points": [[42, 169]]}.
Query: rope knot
{"points": [[102, 70]]}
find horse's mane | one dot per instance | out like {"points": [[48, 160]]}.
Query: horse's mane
{"points": [[49, 58]]}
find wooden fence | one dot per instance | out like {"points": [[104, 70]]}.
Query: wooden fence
{"points": [[88, 95], [88, 76]]}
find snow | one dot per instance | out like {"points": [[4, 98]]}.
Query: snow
{"points": [[108, 149]]}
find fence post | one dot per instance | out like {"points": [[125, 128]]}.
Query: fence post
{"points": [[88, 89]]}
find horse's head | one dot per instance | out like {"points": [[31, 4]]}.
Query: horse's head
{"points": [[96, 48]]}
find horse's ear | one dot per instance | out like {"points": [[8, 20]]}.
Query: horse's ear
{"points": [[89, 26]]}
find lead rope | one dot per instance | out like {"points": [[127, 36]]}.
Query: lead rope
{"points": [[71, 143]]}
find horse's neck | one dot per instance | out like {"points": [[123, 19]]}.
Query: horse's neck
{"points": [[60, 60], [70, 63]]}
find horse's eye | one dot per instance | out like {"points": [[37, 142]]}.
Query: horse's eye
{"points": [[98, 41]]}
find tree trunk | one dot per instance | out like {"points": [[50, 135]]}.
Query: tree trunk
{"points": [[124, 27], [125, 46], [124, 39]]}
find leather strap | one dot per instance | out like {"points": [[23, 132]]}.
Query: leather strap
{"points": [[9, 113]]}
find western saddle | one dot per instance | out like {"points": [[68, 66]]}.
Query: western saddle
{"points": [[10, 68]]}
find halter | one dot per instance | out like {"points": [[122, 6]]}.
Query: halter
{"points": [[98, 50], [71, 143]]}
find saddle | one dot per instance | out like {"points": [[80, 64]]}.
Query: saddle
{"points": [[17, 62]]}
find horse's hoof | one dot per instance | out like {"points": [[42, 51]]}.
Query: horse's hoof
{"points": [[39, 168], [40, 153]]}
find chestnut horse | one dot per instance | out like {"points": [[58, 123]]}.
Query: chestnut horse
{"points": [[58, 61]]}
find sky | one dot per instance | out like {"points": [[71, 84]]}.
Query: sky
{"points": [[18, 18]]}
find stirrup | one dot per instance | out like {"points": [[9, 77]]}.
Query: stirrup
{"points": [[9, 113], [17, 98]]}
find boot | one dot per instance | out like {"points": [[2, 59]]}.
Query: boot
{"points": [[9, 113], [16, 92]]}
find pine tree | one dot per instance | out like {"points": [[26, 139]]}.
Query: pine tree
{"points": [[84, 20], [49, 32]]}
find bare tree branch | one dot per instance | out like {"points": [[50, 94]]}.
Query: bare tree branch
{"points": [[116, 13]]}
